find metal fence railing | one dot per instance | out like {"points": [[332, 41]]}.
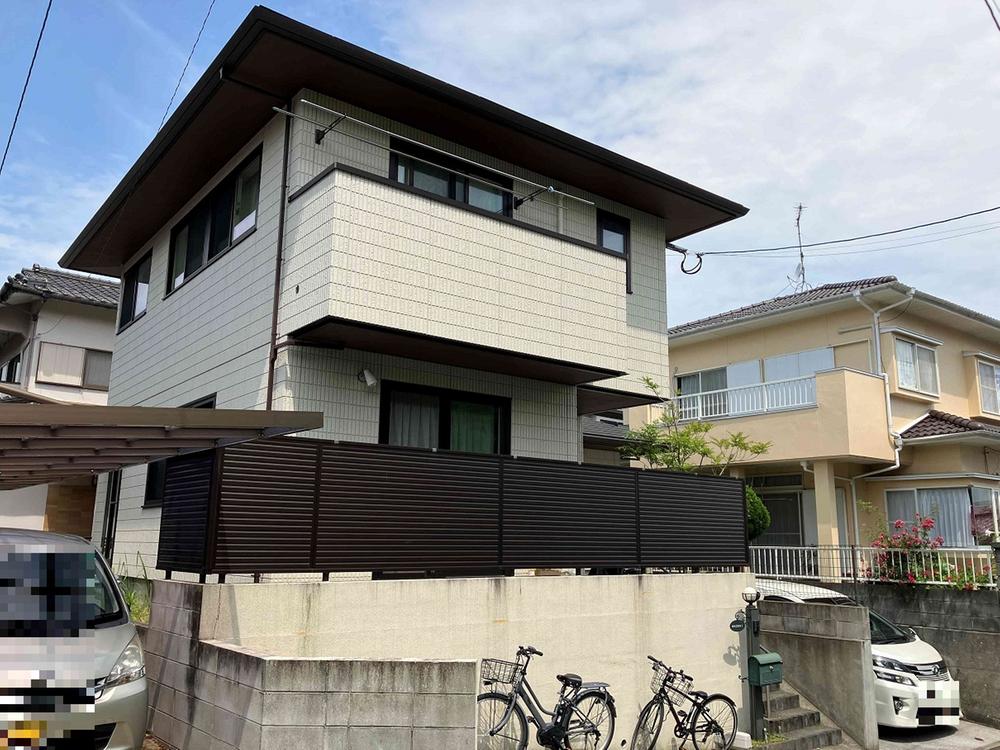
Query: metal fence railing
{"points": [[965, 567], [760, 398]]}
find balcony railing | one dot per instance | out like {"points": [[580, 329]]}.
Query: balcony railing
{"points": [[761, 398], [966, 567]]}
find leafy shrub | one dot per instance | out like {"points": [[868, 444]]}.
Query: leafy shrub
{"points": [[758, 516]]}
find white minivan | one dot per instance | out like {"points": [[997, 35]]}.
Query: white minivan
{"points": [[72, 671], [913, 687]]}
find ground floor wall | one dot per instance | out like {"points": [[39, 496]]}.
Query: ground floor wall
{"points": [[23, 508], [601, 627], [66, 507], [964, 626]]}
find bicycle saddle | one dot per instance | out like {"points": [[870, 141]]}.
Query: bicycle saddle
{"points": [[570, 680]]}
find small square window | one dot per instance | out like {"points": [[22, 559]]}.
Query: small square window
{"points": [[613, 235]]}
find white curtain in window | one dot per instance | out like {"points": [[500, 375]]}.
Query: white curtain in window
{"points": [[989, 386], [900, 505], [58, 363], [906, 366], [951, 510], [414, 420], [927, 370]]}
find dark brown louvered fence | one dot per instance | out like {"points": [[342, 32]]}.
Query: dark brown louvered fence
{"points": [[291, 505]]}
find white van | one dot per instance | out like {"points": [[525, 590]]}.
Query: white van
{"points": [[72, 671], [913, 687]]}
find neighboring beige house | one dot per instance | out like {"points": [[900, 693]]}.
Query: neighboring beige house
{"points": [[852, 451], [57, 331], [319, 228]]}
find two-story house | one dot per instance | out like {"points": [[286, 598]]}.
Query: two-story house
{"points": [[57, 331], [320, 228], [879, 400]]}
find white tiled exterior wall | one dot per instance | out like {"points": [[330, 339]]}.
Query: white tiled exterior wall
{"points": [[363, 250]]}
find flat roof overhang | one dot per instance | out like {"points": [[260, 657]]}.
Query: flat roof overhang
{"points": [[340, 333], [593, 399], [46, 442], [271, 57]]}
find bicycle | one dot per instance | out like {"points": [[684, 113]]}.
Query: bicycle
{"points": [[710, 723], [582, 719]]}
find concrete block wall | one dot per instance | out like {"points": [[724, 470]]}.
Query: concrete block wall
{"points": [[964, 626], [219, 696], [827, 655]]}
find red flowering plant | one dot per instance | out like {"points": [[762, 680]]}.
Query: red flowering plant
{"points": [[906, 548]]}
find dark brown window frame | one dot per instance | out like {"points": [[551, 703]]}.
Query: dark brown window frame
{"points": [[205, 204], [86, 351], [446, 395], [129, 289], [5, 369], [456, 192], [156, 471], [620, 224]]}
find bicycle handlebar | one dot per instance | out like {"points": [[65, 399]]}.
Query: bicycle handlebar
{"points": [[528, 651]]}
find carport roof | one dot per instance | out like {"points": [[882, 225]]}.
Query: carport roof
{"points": [[45, 442]]}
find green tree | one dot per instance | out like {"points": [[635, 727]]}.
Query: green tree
{"points": [[689, 446]]}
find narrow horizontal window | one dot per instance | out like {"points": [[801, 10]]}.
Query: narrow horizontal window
{"points": [[221, 219], [61, 364]]}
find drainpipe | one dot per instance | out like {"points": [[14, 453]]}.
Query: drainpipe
{"points": [[894, 437], [272, 357]]}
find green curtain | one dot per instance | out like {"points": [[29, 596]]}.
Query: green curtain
{"points": [[473, 427]]}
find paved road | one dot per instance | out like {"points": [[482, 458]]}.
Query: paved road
{"points": [[967, 736]]}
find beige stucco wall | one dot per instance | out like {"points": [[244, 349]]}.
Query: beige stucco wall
{"points": [[600, 627]]}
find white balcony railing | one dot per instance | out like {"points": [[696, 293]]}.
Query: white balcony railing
{"points": [[778, 395], [966, 567]]}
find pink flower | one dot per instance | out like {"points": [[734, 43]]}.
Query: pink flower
{"points": [[928, 523], [900, 523]]}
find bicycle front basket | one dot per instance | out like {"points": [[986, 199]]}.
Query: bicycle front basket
{"points": [[661, 674], [497, 670]]}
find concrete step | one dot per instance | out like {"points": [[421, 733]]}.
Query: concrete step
{"points": [[783, 722], [808, 738], [782, 700]]}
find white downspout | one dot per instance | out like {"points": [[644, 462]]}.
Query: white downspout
{"points": [[894, 437]]}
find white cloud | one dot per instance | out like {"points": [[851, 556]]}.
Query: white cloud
{"points": [[874, 115]]}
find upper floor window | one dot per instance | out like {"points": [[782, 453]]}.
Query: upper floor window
{"points": [[11, 370], [916, 367], [421, 417], [612, 232], [989, 387], [61, 364], [435, 173], [135, 291], [798, 364], [219, 221]]}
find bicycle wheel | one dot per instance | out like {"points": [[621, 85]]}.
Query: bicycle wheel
{"points": [[713, 726], [647, 730], [592, 723], [491, 708]]}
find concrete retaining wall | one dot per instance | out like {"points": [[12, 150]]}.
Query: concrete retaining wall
{"points": [[217, 696], [827, 657], [963, 625]]}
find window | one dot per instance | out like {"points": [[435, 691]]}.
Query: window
{"points": [[989, 387], [418, 417], [435, 173], [60, 364], [916, 367], [950, 507], [156, 471], [11, 370], [984, 509], [613, 235], [798, 364], [135, 291], [223, 218]]}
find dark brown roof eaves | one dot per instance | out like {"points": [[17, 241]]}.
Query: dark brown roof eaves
{"points": [[824, 293], [937, 423], [50, 283]]}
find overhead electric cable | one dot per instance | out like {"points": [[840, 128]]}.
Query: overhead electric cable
{"points": [[24, 90], [850, 239]]}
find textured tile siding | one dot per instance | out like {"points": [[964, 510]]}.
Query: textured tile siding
{"points": [[544, 423]]}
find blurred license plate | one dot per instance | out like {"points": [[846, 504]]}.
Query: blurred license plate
{"points": [[22, 734]]}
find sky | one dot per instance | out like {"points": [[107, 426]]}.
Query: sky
{"points": [[872, 115]]}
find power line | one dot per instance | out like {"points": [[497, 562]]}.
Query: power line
{"points": [[992, 14], [27, 80], [186, 63], [851, 239]]}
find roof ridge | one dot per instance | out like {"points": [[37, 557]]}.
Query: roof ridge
{"points": [[77, 275]]}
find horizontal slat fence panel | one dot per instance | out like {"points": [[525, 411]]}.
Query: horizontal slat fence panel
{"points": [[292, 505], [406, 509], [562, 515], [186, 496], [690, 520]]}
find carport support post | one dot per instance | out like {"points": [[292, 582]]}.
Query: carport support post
{"points": [[756, 691]]}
